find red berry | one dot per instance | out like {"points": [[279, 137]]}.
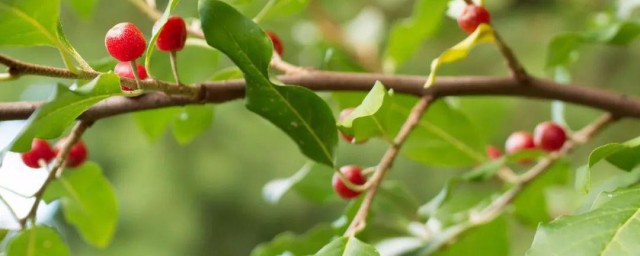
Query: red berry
{"points": [[493, 152], [354, 174], [77, 153], [472, 16], [549, 136], [173, 35], [277, 44], [123, 69], [40, 149], [125, 42], [519, 141]]}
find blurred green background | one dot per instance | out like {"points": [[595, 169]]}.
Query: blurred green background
{"points": [[205, 198]]}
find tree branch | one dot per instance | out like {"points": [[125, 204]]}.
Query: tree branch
{"points": [[74, 137], [385, 164]]}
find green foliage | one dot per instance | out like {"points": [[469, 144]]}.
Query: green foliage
{"points": [[54, 117], [609, 228], [84, 8], [625, 156], [281, 8], [151, 45], [407, 35], [299, 112], [347, 246], [37, 241], [371, 117], [531, 206], [186, 123], [29, 22], [289, 243], [490, 239], [88, 203]]}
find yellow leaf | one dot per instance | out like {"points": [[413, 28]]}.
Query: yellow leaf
{"points": [[484, 33]]}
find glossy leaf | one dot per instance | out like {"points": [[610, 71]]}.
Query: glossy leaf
{"points": [[407, 35], [531, 205], [151, 44], [294, 244], [54, 117], [371, 117], [484, 33], [37, 241], [312, 182], [444, 136], [29, 22], [625, 156], [610, 228], [299, 112], [347, 246], [88, 203]]}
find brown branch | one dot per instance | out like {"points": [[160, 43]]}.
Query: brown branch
{"points": [[385, 164], [74, 137], [512, 62], [619, 105]]}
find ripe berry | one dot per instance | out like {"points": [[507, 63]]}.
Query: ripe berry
{"points": [[549, 136], [472, 16], [125, 42], [277, 44], [77, 153], [40, 149], [123, 69], [493, 152], [173, 35], [354, 174], [519, 141]]}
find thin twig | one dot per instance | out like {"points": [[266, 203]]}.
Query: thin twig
{"points": [[517, 70], [61, 158], [359, 221]]}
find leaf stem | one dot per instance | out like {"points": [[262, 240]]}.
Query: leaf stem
{"points": [[174, 66], [264, 11], [514, 65], [134, 68]]}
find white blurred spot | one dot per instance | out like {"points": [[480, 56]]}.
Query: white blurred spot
{"points": [[366, 28], [305, 33]]}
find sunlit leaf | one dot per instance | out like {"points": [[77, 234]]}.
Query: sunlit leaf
{"points": [[625, 156], [88, 203], [29, 22], [294, 244], [312, 182], [371, 117], [610, 228], [484, 33], [55, 116], [531, 205], [347, 246], [299, 112], [37, 241]]}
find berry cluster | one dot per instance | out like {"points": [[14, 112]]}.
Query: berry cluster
{"points": [[547, 136], [472, 16], [42, 154], [126, 43]]}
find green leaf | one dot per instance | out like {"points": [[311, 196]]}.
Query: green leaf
{"points": [[299, 112], [311, 182], [407, 35], [563, 49], [484, 33], [486, 170], [84, 8], [531, 205], [227, 74], [625, 156], [444, 137], [29, 22], [156, 32], [37, 241], [370, 118], [54, 117], [88, 203], [3, 233], [582, 180], [154, 123], [289, 243], [191, 122], [430, 209], [347, 246], [282, 8], [490, 239], [611, 228]]}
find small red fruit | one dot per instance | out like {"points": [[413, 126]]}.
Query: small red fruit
{"points": [[493, 152], [173, 35], [519, 141], [277, 44], [77, 153], [549, 136], [472, 16], [40, 150], [123, 69], [125, 42], [354, 174]]}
